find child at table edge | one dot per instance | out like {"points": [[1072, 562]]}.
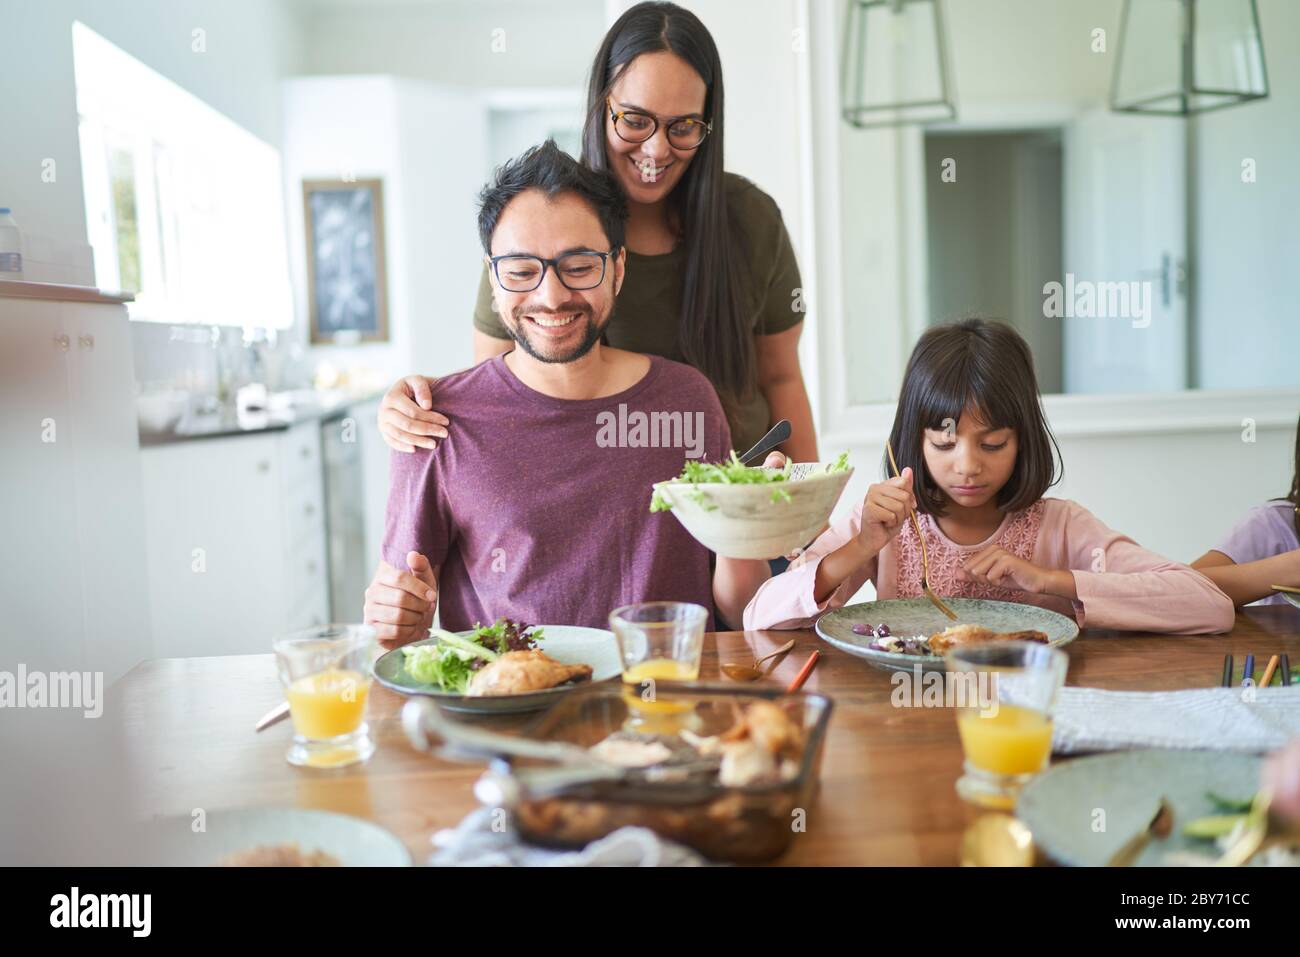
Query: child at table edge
{"points": [[1261, 550], [970, 424]]}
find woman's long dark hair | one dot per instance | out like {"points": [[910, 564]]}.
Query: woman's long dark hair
{"points": [[714, 334]]}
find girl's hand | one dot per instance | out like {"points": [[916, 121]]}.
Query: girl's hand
{"points": [[995, 565], [884, 511], [406, 417]]}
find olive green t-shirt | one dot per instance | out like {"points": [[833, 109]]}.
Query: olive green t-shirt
{"points": [[648, 311]]}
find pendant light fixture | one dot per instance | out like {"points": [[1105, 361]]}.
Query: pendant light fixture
{"points": [[1180, 57], [894, 67]]}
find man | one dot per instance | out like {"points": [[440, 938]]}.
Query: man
{"points": [[536, 507]]}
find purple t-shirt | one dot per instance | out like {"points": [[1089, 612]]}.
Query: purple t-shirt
{"points": [[1267, 530], [538, 508]]}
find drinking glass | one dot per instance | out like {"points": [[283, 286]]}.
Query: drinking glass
{"points": [[1004, 695], [326, 673], [658, 641]]}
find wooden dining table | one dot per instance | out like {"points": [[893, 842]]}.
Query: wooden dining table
{"points": [[887, 793]]}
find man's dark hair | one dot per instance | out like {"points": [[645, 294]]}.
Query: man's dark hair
{"points": [[553, 171]]}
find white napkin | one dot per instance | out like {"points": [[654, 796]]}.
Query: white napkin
{"points": [[475, 843], [1218, 719]]}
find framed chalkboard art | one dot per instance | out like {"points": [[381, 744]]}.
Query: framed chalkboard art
{"points": [[346, 281]]}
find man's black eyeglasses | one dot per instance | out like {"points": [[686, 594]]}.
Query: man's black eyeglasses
{"points": [[579, 270]]}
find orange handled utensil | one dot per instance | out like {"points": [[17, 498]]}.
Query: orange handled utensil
{"points": [[804, 672]]}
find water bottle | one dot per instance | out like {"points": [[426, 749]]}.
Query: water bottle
{"points": [[11, 247]]}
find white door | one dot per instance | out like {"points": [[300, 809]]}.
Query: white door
{"points": [[1125, 254]]}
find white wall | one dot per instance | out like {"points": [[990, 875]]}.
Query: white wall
{"points": [[249, 44], [1248, 241], [348, 126], [396, 130], [454, 42]]}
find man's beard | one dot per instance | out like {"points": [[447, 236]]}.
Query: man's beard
{"points": [[589, 337]]}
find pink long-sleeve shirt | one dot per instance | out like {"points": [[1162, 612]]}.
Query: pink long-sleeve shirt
{"points": [[1120, 584]]}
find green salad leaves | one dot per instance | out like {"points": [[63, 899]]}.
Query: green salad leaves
{"points": [[452, 661], [732, 472]]}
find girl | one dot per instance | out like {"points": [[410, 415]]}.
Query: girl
{"points": [[1262, 550], [711, 276], [976, 457]]}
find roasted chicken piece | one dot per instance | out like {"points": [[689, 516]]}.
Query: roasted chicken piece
{"points": [[978, 635], [517, 672], [763, 745], [770, 726]]}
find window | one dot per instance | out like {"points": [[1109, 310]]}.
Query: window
{"points": [[183, 206]]}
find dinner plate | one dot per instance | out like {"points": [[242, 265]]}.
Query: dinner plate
{"points": [[1083, 810], [918, 616], [567, 644], [189, 841]]}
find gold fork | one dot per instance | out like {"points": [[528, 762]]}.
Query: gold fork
{"points": [[925, 561]]}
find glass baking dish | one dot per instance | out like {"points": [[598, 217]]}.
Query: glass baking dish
{"points": [[746, 824]]}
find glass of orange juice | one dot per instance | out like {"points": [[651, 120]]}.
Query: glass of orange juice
{"points": [[326, 676], [659, 641], [1004, 693]]}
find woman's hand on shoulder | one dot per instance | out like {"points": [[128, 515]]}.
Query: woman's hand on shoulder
{"points": [[407, 420]]}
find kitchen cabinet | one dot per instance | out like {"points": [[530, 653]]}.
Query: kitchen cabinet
{"points": [[236, 540], [72, 575]]}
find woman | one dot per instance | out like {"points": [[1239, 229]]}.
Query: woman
{"points": [[711, 276]]}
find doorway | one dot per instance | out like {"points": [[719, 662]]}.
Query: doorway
{"points": [[994, 231]]}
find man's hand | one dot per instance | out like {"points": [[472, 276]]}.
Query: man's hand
{"points": [[400, 604]]}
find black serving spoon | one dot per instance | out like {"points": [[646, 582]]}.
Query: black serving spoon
{"points": [[775, 436]]}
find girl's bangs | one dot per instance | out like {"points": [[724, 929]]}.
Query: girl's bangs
{"points": [[950, 397]]}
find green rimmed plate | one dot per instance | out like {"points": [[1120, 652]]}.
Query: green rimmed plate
{"points": [[1083, 810], [917, 616], [567, 644]]}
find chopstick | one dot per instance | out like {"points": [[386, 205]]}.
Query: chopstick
{"points": [[1268, 672], [804, 672], [925, 560], [1227, 672], [1287, 588]]}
